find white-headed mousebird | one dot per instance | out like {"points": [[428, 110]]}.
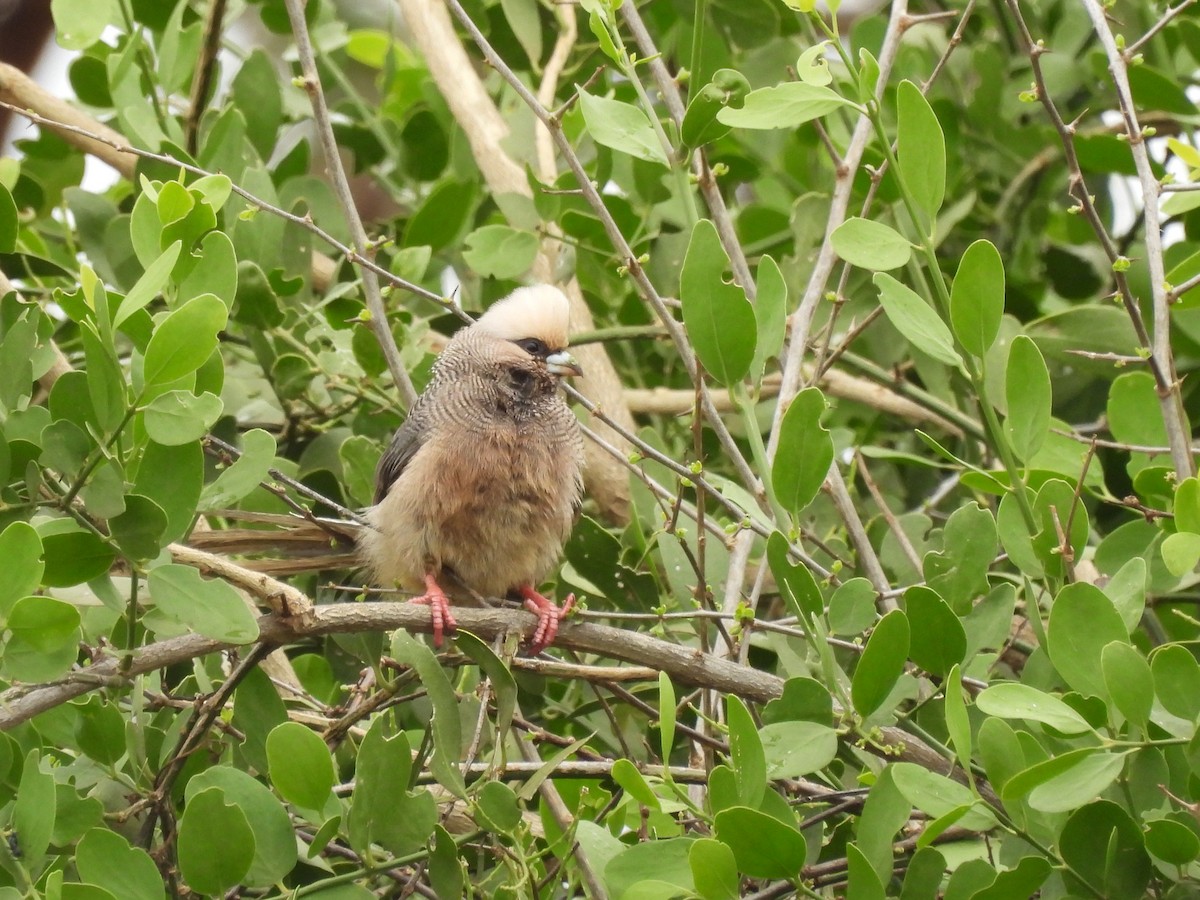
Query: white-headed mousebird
{"points": [[483, 481]]}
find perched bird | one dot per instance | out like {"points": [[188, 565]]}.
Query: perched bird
{"points": [[484, 478]]}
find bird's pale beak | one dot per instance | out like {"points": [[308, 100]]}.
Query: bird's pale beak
{"points": [[563, 364]]}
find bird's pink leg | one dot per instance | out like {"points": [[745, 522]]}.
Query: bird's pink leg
{"points": [[548, 615], [439, 609]]}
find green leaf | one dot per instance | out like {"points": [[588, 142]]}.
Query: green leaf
{"points": [[1172, 842], [1081, 783], [1010, 700], [763, 846], [621, 127], [1177, 681], [920, 151], [938, 639], [770, 315], [180, 417], [105, 858], [172, 478], [504, 686], [977, 298], [1082, 622], [148, 286], [666, 717], [871, 245], [447, 732], [793, 749], [885, 812], [718, 318], [244, 474], [914, 319], [139, 529], [626, 774], [958, 724], [73, 557], [496, 804], [211, 608], [1101, 844], [8, 221], [881, 663], [1129, 681], [852, 607], [445, 869], [274, 841], [43, 639], [184, 340], [34, 810], [79, 23], [216, 844], [714, 870], [938, 796], [747, 758], [497, 251], [300, 765], [1027, 389], [382, 810], [804, 453], [1181, 552], [786, 105], [700, 125], [21, 549]]}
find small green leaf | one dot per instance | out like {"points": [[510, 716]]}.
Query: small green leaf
{"points": [[920, 151], [881, 663], [1082, 622], [184, 340], [105, 858], [1177, 681], [977, 298], [33, 812], [714, 870], [216, 845], [763, 846], [1172, 842], [148, 286], [245, 474], [748, 760], [73, 557], [300, 764], [8, 221], [786, 105], [718, 318], [497, 804], [21, 550], [210, 607], [627, 776], [497, 251], [700, 125], [914, 319], [180, 417], [1129, 681], [957, 721], [445, 869], [770, 314], [622, 127], [79, 23], [139, 529], [793, 749], [938, 639], [1027, 389], [804, 453], [447, 732], [1089, 777], [1010, 700], [938, 796], [871, 245]]}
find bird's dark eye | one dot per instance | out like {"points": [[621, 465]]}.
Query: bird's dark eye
{"points": [[534, 347]]}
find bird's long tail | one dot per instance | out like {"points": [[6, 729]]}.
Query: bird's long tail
{"points": [[279, 544]]}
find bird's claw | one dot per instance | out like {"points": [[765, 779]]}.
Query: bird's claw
{"points": [[549, 616], [439, 610]]}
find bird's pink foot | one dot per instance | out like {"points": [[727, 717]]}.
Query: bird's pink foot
{"points": [[439, 609], [549, 616]]}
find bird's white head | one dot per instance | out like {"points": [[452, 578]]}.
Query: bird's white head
{"points": [[540, 311]]}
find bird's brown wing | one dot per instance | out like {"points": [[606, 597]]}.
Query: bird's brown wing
{"points": [[404, 446]]}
